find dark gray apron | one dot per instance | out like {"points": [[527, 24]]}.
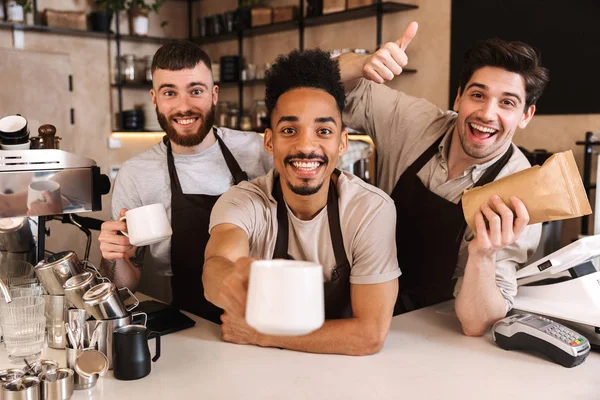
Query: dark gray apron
{"points": [[190, 217], [337, 290], [429, 231]]}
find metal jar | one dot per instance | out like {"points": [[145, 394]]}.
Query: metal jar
{"points": [[26, 388], [76, 286], [57, 269], [103, 301]]}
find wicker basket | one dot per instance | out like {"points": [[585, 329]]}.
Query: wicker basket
{"points": [[65, 19]]}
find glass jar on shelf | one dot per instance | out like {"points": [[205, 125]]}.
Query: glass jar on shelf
{"points": [[259, 116], [128, 68], [245, 122], [222, 116], [148, 69], [234, 118]]}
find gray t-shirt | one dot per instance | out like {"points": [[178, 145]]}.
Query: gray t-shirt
{"points": [[367, 221], [144, 179]]}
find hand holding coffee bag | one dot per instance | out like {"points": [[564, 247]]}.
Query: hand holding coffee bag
{"points": [[550, 192]]}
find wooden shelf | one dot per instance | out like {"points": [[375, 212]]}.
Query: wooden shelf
{"points": [[84, 33], [252, 82], [147, 39], [56, 30], [358, 13], [146, 86], [325, 19], [272, 28]]}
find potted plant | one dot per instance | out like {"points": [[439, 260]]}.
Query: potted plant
{"points": [[16, 10], [101, 19], [138, 14]]}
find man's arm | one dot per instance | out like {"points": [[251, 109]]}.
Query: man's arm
{"points": [[226, 268], [381, 66], [480, 303], [363, 334], [121, 261]]}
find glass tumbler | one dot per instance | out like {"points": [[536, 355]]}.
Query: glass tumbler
{"points": [[23, 325]]}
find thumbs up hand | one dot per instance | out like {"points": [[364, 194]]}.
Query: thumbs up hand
{"points": [[390, 59]]}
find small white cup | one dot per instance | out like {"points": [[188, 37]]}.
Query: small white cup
{"points": [[36, 188], [285, 297], [147, 224]]}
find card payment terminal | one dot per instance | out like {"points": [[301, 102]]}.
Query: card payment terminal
{"points": [[531, 332]]}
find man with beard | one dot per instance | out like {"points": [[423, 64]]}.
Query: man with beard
{"points": [[187, 171], [427, 157], [329, 217]]}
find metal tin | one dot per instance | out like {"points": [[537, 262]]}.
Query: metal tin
{"points": [[104, 302], [76, 286], [38, 367], [7, 375], [54, 272], [57, 385], [26, 388]]}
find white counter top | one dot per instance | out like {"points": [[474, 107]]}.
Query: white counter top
{"points": [[425, 357]]}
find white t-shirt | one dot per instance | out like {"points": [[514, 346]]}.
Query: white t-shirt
{"points": [[367, 221]]}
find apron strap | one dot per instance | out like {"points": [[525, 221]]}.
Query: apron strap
{"points": [[236, 171], [175, 184], [488, 176], [333, 215], [234, 168], [281, 244], [335, 230], [420, 162]]}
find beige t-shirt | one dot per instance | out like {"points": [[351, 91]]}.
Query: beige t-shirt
{"points": [[403, 127], [367, 221]]}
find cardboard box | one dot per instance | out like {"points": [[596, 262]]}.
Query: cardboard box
{"points": [[360, 3], [332, 6], [262, 16], [285, 13], [65, 19]]}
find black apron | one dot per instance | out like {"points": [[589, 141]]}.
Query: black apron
{"points": [[429, 231], [336, 291], [190, 217]]}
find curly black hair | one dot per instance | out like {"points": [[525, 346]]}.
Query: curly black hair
{"points": [[304, 69]]}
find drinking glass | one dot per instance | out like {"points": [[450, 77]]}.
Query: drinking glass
{"points": [[23, 324], [15, 272]]}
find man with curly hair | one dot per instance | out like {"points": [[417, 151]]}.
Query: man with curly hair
{"points": [[331, 217]]}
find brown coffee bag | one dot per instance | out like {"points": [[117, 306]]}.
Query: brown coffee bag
{"points": [[550, 192]]}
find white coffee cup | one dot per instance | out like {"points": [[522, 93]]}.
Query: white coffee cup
{"points": [[147, 224], [285, 297], [36, 189]]}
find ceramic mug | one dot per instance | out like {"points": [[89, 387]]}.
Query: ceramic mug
{"points": [[147, 225], [37, 189], [13, 126], [285, 297]]}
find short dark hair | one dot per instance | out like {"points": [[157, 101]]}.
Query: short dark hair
{"points": [[517, 57], [179, 54], [304, 69]]}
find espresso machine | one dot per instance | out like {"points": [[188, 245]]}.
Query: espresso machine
{"points": [[38, 185]]}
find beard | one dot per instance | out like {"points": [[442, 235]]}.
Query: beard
{"points": [[307, 188], [191, 139]]}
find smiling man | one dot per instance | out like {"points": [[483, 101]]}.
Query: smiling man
{"points": [[187, 172], [427, 157], [305, 209]]}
